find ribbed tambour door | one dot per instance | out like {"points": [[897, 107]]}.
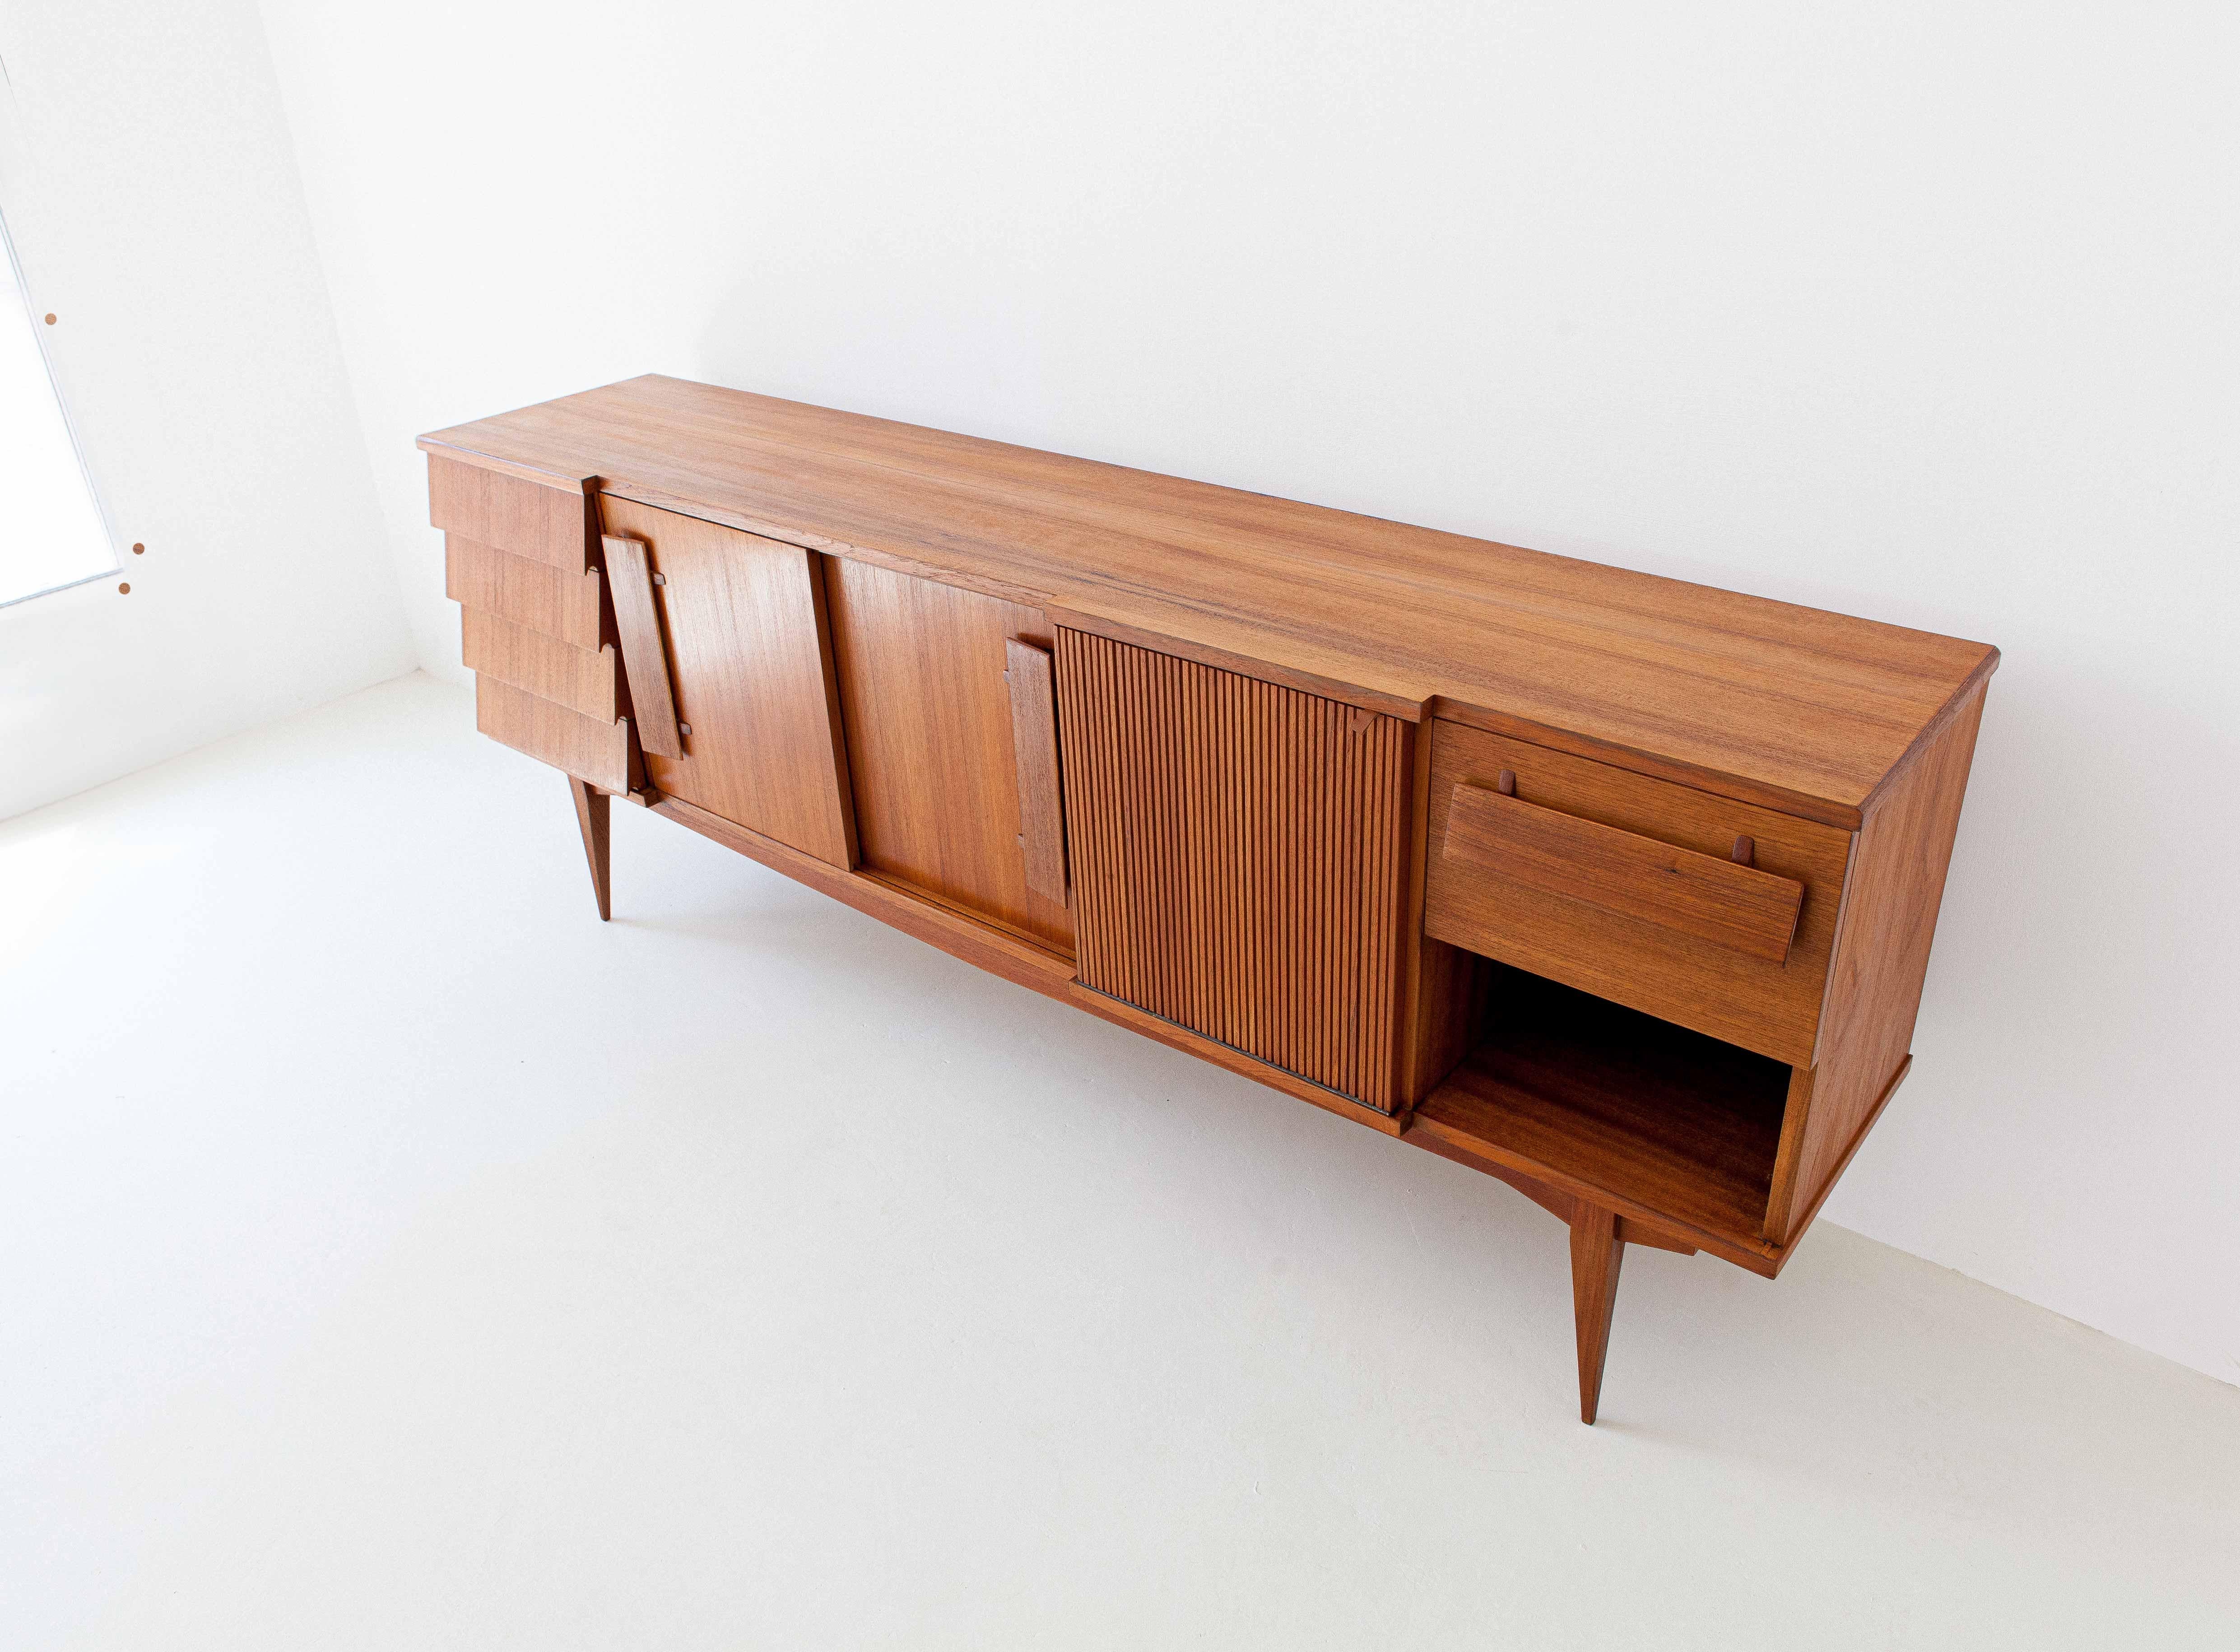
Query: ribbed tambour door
{"points": [[1237, 852]]}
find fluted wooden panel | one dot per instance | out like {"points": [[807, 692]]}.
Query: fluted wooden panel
{"points": [[1236, 858]]}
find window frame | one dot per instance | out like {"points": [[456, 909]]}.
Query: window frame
{"points": [[13, 154]]}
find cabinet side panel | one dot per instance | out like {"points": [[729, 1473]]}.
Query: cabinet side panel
{"points": [[1238, 858], [1881, 959]]}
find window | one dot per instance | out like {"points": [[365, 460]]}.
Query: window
{"points": [[51, 532]]}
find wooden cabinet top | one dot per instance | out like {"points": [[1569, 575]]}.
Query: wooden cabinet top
{"points": [[1802, 710]]}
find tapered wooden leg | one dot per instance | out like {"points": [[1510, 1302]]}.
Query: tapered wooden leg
{"points": [[591, 820], [1595, 1253]]}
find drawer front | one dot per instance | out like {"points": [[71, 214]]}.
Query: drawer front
{"points": [[1628, 887], [557, 526], [585, 680], [584, 747], [533, 593]]}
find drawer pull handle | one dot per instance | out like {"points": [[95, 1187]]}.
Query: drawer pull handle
{"points": [[631, 580], [1728, 902]]}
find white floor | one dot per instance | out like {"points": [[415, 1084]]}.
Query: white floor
{"points": [[391, 1255]]}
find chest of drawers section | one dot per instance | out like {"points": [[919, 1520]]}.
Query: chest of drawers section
{"points": [[522, 560]]}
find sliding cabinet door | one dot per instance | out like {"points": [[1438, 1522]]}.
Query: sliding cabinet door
{"points": [[952, 745], [1238, 858], [729, 662]]}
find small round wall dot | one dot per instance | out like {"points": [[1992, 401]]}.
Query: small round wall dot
{"points": [[125, 588], [139, 550], [50, 318]]}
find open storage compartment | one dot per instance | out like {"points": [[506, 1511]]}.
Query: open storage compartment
{"points": [[1558, 1081]]}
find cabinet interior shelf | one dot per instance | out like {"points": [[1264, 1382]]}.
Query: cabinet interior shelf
{"points": [[1650, 1112]]}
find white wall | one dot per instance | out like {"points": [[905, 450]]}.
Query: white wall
{"points": [[147, 174], [1919, 311]]}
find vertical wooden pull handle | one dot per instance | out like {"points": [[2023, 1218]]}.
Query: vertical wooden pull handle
{"points": [[645, 662], [1034, 743]]}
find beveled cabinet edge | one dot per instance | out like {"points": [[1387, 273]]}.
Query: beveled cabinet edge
{"points": [[1976, 683], [566, 481]]}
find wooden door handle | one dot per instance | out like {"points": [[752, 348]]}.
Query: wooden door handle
{"points": [[1034, 744], [1714, 899], [645, 661]]}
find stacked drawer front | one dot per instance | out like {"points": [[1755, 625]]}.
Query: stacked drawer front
{"points": [[521, 559]]}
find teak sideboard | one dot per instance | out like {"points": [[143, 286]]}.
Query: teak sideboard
{"points": [[1617, 888]]}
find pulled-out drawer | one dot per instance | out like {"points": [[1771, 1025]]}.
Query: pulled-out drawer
{"points": [[1713, 914]]}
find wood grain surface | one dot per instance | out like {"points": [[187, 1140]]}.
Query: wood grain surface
{"points": [[1798, 709], [1439, 980], [744, 624], [1702, 895], [1237, 856], [1564, 1207], [645, 656], [1881, 962], [1641, 1116], [534, 594], [602, 753], [1768, 1006], [589, 681], [555, 526], [1034, 746], [592, 822], [931, 746], [1596, 1255], [1617, 888]]}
